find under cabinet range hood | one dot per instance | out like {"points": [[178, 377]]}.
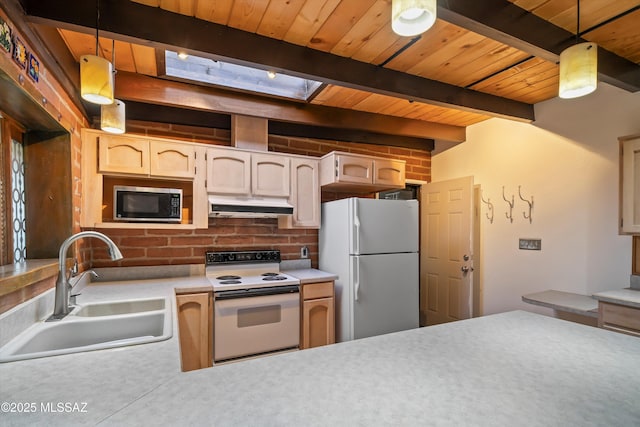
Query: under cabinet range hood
{"points": [[238, 207]]}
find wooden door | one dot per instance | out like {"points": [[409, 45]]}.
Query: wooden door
{"points": [[195, 330], [228, 172], [121, 154], [447, 260], [354, 169], [630, 186], [270, 175], [172, 159], [305, 195], [318, 327], [389, 172]]}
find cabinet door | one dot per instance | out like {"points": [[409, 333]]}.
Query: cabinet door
{"points": [[123, 155], [305, 195], [270, 175], [318, 325], [228, 172], [389, 172], [172, 159], [630, 186], [195, 330], [354, 169]]}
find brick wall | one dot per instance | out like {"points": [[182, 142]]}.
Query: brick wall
{"points": [[161, 247]]}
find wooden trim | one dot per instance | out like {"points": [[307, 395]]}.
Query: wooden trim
{"points": [[136, 23]]}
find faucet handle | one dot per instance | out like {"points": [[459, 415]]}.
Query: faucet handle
{"points": [[79, 283]]}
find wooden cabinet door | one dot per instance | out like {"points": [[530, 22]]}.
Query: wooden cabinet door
{"points": [[318, 325], [630, 186], [305, 195], [228, 172], [126, 155], [318, 315], [171, 159], [389, 172], [354, 169], [270, 175], [195, 329]]}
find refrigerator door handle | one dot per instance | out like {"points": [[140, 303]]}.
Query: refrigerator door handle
{"points": [[356, 276], [356, 229]]}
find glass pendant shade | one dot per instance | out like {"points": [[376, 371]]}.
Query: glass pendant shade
{"points": [[96, 79], [112, 117], [578, 70], [412, 17]]}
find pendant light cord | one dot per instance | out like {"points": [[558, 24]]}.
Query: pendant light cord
{"points": [[97, 24], [577, 25]]}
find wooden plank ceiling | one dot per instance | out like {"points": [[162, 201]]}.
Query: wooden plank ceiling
{"points": [[361, 31]]}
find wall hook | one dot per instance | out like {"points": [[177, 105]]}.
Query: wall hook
{"points": [[510, 203], [530, 203], [490, 206]]}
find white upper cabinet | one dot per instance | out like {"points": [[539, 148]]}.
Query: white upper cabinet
{"points": [[305, 195], [123, 154], [630, 184], [360, 173], [270, 175], [228, 172], [138, 156], [242, 173]]}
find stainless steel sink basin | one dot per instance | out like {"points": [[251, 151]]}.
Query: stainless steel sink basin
{"points": [[94, 327], [121, 307]]}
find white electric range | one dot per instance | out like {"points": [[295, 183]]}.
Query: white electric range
{"points": [[256, 306]]}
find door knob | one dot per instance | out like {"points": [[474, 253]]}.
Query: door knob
{"points": [[464, 269], [465, 257]]}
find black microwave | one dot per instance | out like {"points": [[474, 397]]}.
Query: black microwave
{"points": [[146, 204]]}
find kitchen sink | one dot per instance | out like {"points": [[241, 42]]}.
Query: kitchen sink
{"points": [[94, 327], [121, 307]]}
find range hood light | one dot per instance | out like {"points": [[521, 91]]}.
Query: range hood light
{"points": [[221, 206]]}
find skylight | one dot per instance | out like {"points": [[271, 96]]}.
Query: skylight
{"points": [[238, 77]]}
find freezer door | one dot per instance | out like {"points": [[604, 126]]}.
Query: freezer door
{"points": [[383, 226], [385, 294]]}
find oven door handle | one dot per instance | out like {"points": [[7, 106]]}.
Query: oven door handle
{"points": [[256, 292]]}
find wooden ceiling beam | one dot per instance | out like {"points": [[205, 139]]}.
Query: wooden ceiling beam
{"points": [[136, 23], [507, 23], [150, 90]]}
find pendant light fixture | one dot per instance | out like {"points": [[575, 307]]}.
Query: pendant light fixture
{"points": [[412, 17], [112, 116], [578, 67], [96, 73]]}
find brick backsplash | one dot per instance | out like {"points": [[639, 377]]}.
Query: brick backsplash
{"points": [[143, 247]]}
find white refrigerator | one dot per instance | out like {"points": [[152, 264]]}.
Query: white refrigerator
{"points": [[372, 245]]}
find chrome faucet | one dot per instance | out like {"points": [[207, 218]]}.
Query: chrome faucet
{"points": [[61, 307]]}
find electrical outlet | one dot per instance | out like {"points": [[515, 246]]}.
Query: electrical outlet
{"points": [[530, 244], [304, 252]]}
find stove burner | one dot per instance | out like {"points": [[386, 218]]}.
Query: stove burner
{"points": [[230, 282], [276, 277], [270, 274], [228, 277]]}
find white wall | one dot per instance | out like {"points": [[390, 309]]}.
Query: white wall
{"points": [[568, 161]]}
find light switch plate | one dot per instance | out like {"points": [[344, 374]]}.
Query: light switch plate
{"points": [[530, 244]]}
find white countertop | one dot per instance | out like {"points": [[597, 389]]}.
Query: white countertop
{"points": [[311, 275], [627, 296], [500, 370], [564, 301]]}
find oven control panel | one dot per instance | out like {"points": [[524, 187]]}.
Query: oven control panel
{"points": [[239, 257]]}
